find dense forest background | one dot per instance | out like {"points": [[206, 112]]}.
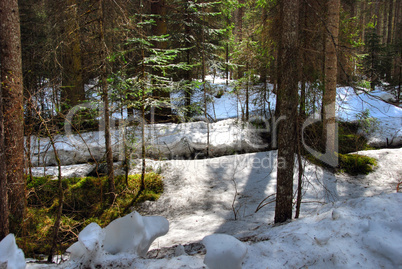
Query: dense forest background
{"points": [[150, 59], [69, 45]]}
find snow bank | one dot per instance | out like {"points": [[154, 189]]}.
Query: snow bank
{"points": [[11, 257], [356, 233], [164, 141], [127, 237], [224, 252], [346, 221], [350, 104], [76, 170], [367, 233]]}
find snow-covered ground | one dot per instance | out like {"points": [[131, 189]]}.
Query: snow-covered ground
{"points": [[346, 221], [351, 103]]}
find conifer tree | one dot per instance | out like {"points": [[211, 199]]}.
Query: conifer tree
{"points": [[13, 118], [287, 99]]}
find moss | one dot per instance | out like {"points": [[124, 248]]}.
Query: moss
{"points": [[355, 164], [85, 201], [349, 140]]}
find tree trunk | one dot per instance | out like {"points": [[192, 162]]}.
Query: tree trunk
{"points": [[390, 19], [4, 227], [57, 222], [303, 60], [239, 32], [72, 84], [385, 7], [378, 17], [247, 93], [205, 84], [158, 8], [363, 20], [331, 64], [13, 116], [188, 92], [287, 101], [105, 97], [239, 22]]}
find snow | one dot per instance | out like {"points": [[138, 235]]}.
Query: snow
{"points": [[69, 171], [11, 257], [355, 240], [164, 141], [224, 252], [350, 104], [189, 140], [130, 235], [134, 233], [346, 221]]}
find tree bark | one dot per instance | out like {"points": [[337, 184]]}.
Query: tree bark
{"points": [[105, 97], [159, 8], [390, 19], [13, 116], [363, 20], [385, 21], [287, 101], [4, 226], [72, 84], [331, 68]]}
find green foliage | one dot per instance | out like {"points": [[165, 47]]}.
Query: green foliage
{"points": [[367, 124], [363, 84], [84, 202], [355, 164], [373, 62]]}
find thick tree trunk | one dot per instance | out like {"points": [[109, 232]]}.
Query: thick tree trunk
{"points": [[287, 101], [72, 84], [331, 64], [4, 226], [13, 116]]}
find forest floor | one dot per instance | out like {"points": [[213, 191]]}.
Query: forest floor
{"points": [[346, 221]]}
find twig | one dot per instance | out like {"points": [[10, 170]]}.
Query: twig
{"points": [[261, 205]]}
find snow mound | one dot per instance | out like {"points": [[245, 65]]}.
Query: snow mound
{"points": [[356, 233], [224, 252], [11, 257], [164, 141], [351, 103], [128, 236], [134, 233]]}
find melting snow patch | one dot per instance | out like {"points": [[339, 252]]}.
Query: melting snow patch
{"points": [[224, 252], [11, 257], [124, 238]]}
